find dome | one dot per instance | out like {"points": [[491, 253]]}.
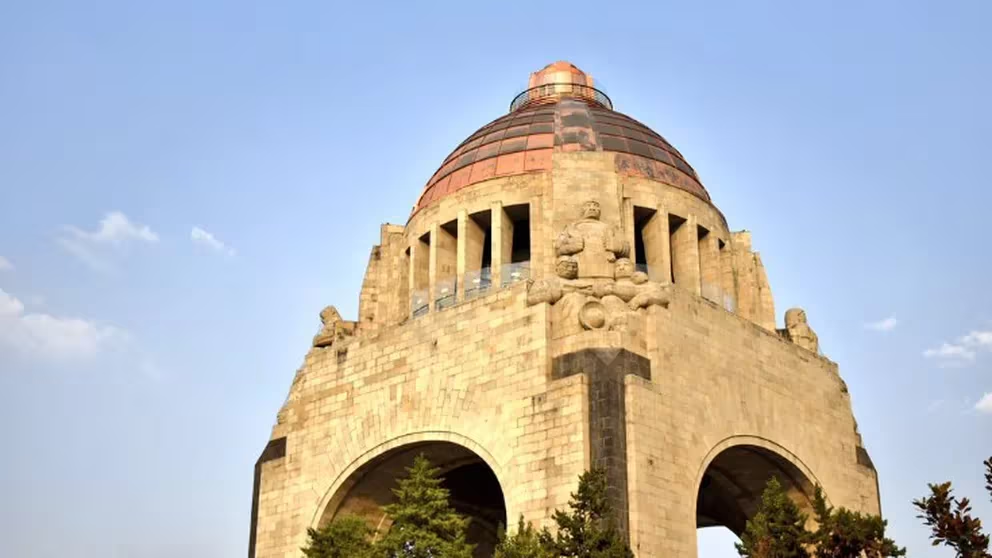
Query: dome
{"points": [[561, 111]]}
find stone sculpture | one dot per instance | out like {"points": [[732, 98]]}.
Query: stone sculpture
{"points": [[596, 284], [593, 244], [798, 331], [334, 328]]}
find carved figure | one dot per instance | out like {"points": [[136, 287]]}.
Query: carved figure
{"points": [[596, 284], [624, 287], [594, 244], [545, 290], [334, 328], [650, 294], [567, 268], [798, 331]]}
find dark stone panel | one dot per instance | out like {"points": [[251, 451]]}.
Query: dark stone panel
{"points": [[864, 459], [275, 449], [606, 369]]}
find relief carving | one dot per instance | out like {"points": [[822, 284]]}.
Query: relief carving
{"points": [[597, 286], [798, 331], [333, 329]]}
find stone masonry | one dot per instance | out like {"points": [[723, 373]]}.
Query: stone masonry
{"points": [[564, 296]]}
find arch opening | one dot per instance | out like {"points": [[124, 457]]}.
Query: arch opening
{"points": [[730, 490], [475, 491]]}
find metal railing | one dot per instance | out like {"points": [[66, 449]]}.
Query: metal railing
{"points": [[419, 304], [478, 282], [560, 90], [444, 293], [514, 272]]}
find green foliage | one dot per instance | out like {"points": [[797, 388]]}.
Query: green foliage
{"points": [[424, 523], [345, 537], [842, 533], [778, 528], [524, 543], [951, 523], [588, 530]]}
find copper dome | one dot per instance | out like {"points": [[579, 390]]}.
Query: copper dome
{"points": [[557, 116]]}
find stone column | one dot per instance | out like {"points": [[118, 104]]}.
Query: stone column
{"points": [[411, 277], [627, 218], [502, 247], [419, 269], [657, 246], [460, 256], [709, 268], [433, 267], [537, 234], [685, 256], [727, 281]]}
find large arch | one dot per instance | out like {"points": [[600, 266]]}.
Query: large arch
{"points": [[733, 476], [474, 486]]}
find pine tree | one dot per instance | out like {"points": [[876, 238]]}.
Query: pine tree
{"points": [[345, 537], [842, 533], [525, 542], [424, 523], [588, 530], [950, 520], [777, 529]]}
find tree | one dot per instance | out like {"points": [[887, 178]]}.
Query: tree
{"points": [[524, 543], [588, 530], [950, 520], [842, 533], [424, 523], [777, 529], [345, 537]]}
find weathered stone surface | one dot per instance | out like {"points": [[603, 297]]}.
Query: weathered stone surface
{"points": [[798, 331], [673, 378]]}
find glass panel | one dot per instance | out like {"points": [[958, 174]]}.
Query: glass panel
{"points": [[477, 282], [444, 293], [515, 272], [418, 303]]}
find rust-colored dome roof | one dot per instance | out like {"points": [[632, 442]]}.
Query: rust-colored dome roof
{"points": [[553, 116]]}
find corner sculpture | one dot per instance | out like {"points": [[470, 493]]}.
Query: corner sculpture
{"points": [[333, 328], [596, 284], [798, 331]]}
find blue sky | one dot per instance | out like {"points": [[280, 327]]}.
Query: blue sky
{"points": [[142, 362]]}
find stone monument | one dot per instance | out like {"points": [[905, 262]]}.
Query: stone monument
{"points": [[564, 295]]}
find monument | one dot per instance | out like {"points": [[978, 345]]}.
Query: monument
{"points": [[564, 295]]}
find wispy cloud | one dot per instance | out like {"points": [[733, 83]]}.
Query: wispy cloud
{"points": [[962, 352], [46, 336], [204, 238], [984, 404], [5, 264], [888, 324], [114, 233], [935, 406]]}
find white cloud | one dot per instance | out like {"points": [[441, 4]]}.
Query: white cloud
{"points": [[978, 339], [888, 324], [5, 264], [202, 237], [984, 404], [963, 351], [114, 232], [935, 405], [52, 337], [950, 351]]}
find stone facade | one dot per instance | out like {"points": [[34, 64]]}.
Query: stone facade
{"points": [[500, 332]]}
